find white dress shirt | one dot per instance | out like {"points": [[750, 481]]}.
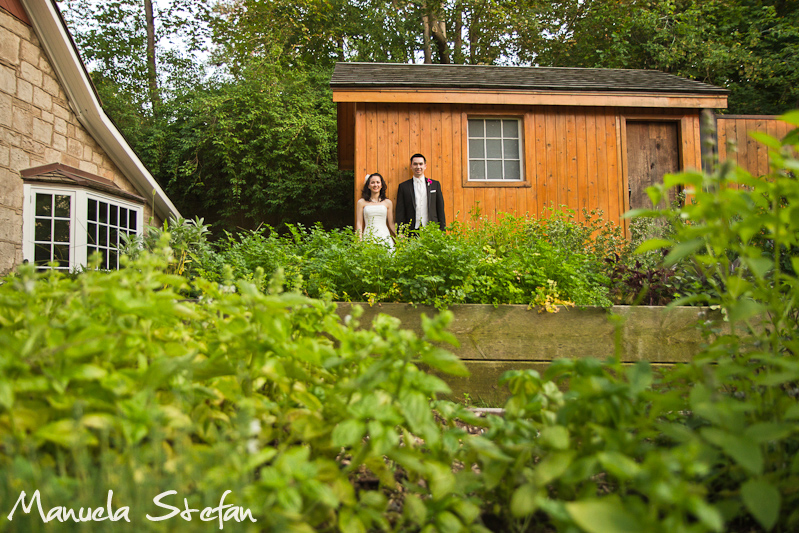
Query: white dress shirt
{"points": [[420, 193]]}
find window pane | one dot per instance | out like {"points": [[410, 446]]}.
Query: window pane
{"points": [[494, 171], [61, 233], [103, 219], [511, 149], [476, 148], [477, 170], [112, 260], [91, 233], [41, 254], [512, 170], [113, 218], [104, 261], [476, 128], [43, 227], [89, 251], [102, 238], [44, 205], [113, 239], [493, 148], [123, 217], [132, 221], [511, 128], [62, 206], [92, 210], [61, 254], [493, 128]]}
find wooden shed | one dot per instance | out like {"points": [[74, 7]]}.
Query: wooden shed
{"points": [[520, 139]]}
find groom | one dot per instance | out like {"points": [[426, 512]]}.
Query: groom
{"points": [[420, 200]]}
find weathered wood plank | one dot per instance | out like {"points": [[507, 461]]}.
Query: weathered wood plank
{"points": [[516, 333]]}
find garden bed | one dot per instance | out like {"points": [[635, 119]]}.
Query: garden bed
{"points": [[495, 339]]}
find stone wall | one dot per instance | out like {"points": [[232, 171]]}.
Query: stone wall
{"points": [[37, 127], [493, 340]]}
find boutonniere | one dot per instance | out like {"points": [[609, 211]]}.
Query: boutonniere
{"points": [[429, 181]]}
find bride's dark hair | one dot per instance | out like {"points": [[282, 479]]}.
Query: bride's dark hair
{"points": [[366, 193]]}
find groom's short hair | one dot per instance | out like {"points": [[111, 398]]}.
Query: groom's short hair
{"points": [[414, 156]]}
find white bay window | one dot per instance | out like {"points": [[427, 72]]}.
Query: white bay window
{"points": [[66, 219]]}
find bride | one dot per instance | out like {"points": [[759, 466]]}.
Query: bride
{"points": [[375, 212]]}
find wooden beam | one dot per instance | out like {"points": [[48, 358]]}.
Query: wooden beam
{"points": [[581, 98]]}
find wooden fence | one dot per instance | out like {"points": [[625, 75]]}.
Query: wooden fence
{"points": [[735, 143]]}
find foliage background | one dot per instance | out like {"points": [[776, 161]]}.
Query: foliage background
{"points": [[243, 129]]}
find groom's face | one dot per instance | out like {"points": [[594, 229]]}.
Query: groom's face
{"points": [[418, 167]]}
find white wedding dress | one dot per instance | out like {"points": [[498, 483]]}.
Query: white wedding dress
{"points": [[376, 224]]}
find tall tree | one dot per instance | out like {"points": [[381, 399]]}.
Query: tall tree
{"points": [[152, 69], [748, 46]]}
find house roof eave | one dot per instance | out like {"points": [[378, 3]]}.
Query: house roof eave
{"points": [[530, 97]]}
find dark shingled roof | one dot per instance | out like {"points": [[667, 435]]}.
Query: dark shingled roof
{"points": [[404, 76]]}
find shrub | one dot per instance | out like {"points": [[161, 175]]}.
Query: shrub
{"points": [[510, 261], [109, 380]]}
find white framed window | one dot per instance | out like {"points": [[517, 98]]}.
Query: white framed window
{"points": [[495, 149], [68, 225]]}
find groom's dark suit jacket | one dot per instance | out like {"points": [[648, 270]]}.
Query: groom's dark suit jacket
{"points": [[406, 204]]}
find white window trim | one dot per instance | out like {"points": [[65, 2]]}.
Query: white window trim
{"points": [[78, 219], [520, 138]]}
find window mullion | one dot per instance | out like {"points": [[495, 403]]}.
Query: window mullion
{"points": [[80, 229]]}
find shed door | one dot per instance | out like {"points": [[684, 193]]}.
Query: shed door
{"points": [[653, 150]]}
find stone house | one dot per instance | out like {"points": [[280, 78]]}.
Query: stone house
{"points": [[70, 185]]}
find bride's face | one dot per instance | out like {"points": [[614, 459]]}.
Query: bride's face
{"points": [[375, 184]]}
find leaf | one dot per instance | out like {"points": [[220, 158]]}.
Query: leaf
{"points": [[744, 309], [707, 514], [552, 467], [103, 421], [262, 456], [766, 139], [67, 433], [619, 465], [523, 501], [556, 437], [743, 451], [441, 479], [444, 361], [763, 501], [655, 194], [760, 266], [653, 244], [682, 250], [87, 373], [793, 412], [6, 394], [684, 178], [640, 377], [348, 433], [768, 431], [606, 515], [791, 117], [414, 509], [416, 410], [350, 522]]}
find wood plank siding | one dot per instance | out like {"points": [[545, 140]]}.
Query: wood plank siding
{"points": [[573, 156], [735, 143], [571, 123]]}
